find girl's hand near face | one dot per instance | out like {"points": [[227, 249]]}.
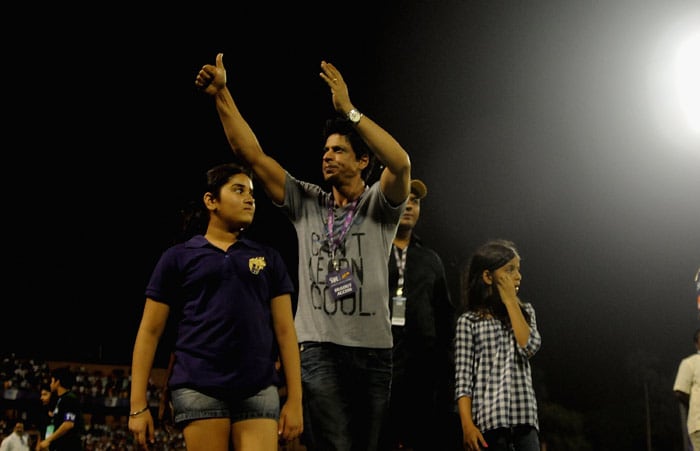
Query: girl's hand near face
{"points": [[507, 279], [507, 288]]}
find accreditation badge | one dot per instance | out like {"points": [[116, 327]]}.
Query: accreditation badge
{"points": [[341, 284], [398, 310]]}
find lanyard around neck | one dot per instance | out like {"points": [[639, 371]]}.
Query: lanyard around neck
{"points": [[401, 266], [334, 243]]}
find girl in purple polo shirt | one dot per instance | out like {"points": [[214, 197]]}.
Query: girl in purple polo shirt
{"points": [[231, 302]]}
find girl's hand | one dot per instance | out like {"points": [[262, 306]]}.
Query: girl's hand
{"points": [[507, 288], [473, 440]]}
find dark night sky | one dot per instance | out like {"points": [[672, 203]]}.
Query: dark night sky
{"points": [[540, 123]]}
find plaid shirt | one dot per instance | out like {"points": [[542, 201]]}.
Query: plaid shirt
{"points": [[494, 371]]}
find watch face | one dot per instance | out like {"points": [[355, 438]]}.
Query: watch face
{"points": [[354, 116]]}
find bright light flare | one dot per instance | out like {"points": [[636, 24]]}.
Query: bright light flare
{"points": [[688, 79], [675, 84]]}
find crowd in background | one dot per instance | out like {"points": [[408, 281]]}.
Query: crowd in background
{"points": [[104, 397]]}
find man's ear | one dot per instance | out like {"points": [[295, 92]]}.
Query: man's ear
{"points": [[364, 161], [487, 277]]}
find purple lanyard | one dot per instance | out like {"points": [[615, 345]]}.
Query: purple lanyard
{"points": [[334, 243]]}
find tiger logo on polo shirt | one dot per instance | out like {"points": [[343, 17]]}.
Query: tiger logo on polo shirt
{"points": [[256, 264]]}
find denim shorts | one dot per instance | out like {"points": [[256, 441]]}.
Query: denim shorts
{"points": [[189, 405]]}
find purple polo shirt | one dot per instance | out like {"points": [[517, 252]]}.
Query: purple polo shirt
{"points": [[225, 344]]}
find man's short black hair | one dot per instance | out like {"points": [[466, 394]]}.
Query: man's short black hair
{"points": [[65, 376]]}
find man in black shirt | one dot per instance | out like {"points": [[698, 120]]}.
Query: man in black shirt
{"points": [[423, 413], [67, 421]]}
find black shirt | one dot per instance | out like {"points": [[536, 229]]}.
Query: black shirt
{"points": [[68, 408]]}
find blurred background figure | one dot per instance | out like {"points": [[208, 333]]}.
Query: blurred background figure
{"points": [[67, 423], [48, 403], [687, 391], [18, 440]]}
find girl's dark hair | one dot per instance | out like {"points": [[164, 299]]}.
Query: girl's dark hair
{"points": [[343, 126], [194, 218], [476, 294], [219, 175]]}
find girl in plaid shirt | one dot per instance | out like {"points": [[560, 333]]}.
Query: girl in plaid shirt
{"points": [[495, 339]]}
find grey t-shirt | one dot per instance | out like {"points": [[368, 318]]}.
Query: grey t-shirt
{"points": [[361, 320]]}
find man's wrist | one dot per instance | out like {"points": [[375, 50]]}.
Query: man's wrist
{"points": [[354, 116]]}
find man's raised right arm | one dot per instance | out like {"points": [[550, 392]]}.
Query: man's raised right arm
{"points": [[212, 80]]}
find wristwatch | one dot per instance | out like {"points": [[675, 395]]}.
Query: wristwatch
{"points": [[354, 116]]}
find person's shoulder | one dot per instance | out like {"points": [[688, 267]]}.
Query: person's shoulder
{"points": [[308, 187], [689, 364], [527, 305], [692, 358], [256, 245], [373, 189], [420, 244], [195, 242], [374, 195], [470, 316], [71, 400]]}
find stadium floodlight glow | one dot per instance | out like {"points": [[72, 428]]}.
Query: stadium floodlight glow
{"points": [[688, 79], [674, 72]]}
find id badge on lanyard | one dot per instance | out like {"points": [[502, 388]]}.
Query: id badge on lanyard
{"points": [[340, 281], [398, 301], [398, 310]]}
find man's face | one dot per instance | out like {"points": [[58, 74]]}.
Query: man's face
{"points": [[339, 162], [45, 397], [411, 213]]}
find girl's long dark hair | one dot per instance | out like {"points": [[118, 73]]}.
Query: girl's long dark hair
{"points": [[477, 296]]}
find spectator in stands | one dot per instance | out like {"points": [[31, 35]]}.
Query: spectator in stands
{"points": [[18, 440], [67, 421], [48, 402]]}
